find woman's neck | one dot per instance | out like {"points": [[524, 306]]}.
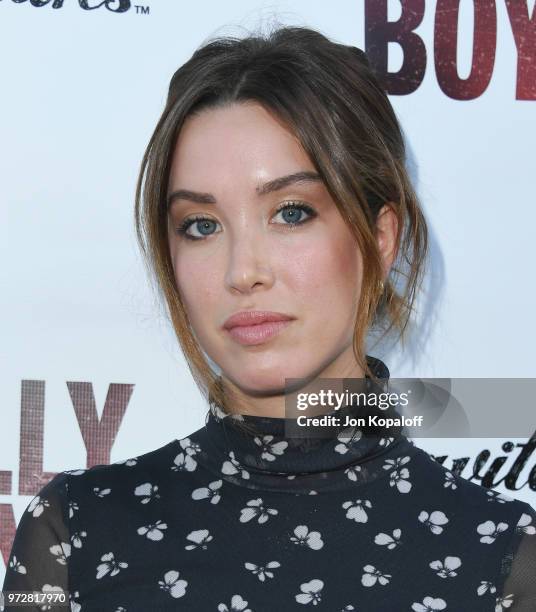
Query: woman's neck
{"points": [[275, 403]]}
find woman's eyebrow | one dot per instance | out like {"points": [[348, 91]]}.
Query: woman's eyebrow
{"points": [[305, 176]]}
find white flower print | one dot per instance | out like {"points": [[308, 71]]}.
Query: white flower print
{"points": [[372, 575], [352, 472], [212, 492], [356, 510], [311, 592], [61, 551], [184, 463], [524, 525], [128, 462], [237, 605], [110, 565], [485, 586], [399, 476], [304, 537], [232, 466], [503, 603], [269, 448], [17, 566], [450, 481], [489, 531], [101, 492], [385, 441], [171, 583], [75, 606], [189, 447], [498, 497], [434, 521], [76, 538], [78, 472], [446, 568], [395, 463], [147, 492], [73, 507], [262, 571], [346, 438], [256, 509], [153, 532], [200, 537], [37, 505], [429, 604], [384, 539]]}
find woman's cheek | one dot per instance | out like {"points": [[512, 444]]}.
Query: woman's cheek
{"points": [[314, 265], [197, 285]]}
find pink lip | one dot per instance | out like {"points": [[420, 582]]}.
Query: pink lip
{"points": [[255, 326]]}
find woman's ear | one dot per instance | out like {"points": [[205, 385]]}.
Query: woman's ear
{"points": [[387, 236]]}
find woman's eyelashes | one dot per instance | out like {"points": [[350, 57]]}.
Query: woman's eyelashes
{"points": [[291, 213]]}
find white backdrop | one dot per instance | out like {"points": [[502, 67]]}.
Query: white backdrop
{"points": [[81, 92]]}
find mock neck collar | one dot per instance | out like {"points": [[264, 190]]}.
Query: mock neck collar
{"points": [[265, 457]]}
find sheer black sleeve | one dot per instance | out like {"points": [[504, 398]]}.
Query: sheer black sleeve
{"points": [[518, 571], [41, 548]]}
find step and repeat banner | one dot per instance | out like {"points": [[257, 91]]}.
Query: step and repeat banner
{"points": [[91, 372]]}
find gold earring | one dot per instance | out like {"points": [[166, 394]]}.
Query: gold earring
{"points": [[382, 286]]}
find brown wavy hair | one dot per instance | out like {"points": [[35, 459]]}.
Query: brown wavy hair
{"points": [[328, 96]]}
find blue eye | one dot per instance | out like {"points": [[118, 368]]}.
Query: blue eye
{"points": [[202, 224], [291, 213]]}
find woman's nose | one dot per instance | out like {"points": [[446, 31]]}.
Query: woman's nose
{"points": [[248, 267]]}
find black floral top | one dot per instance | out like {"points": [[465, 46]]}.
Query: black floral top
{"points": [[228, 521]]}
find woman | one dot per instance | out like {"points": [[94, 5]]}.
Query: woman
{"points": [[276, 212]]}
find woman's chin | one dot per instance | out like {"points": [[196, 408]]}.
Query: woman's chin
{"points": [[256, 383]]}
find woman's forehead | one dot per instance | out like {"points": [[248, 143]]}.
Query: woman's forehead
{"points": [[239, 143]]}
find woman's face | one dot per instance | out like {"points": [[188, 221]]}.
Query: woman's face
{"points": [[244, 253]]}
